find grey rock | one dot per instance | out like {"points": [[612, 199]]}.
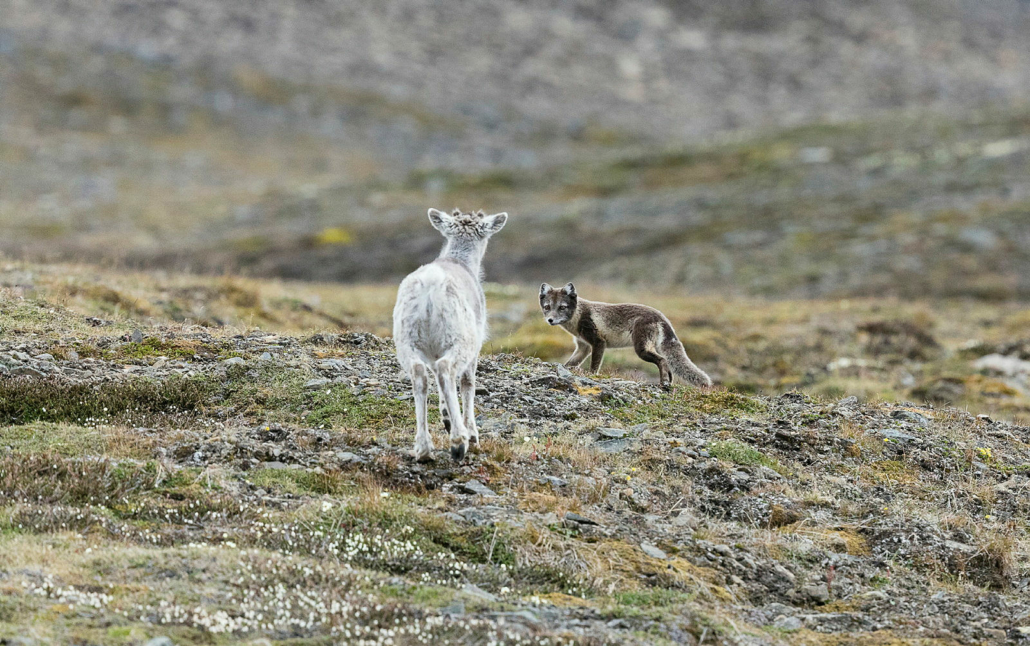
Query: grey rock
{"points": [[476, 591], [456, 609], [653, 551], [137, 337], [783, 572], [686, 519], [554, 481], [315, 384], [1008, 365], [611, 433], [265, 356], [273, 465], [910, 416], [162, 640], [573, 517], [21, 356], [776, 609], [44, 357], [784, 622], [478, 488], [234, 361], [347, 457], [816, 592], [897, 436], [26, 371], [614, 446]]}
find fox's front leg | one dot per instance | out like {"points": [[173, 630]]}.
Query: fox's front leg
{"points": [[597, 356], [582, 350]]}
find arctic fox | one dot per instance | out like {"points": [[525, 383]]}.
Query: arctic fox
{"points": [[597, 326], [439, 325]]}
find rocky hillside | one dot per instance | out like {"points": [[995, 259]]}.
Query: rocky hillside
{"points": [[768, 147], [205, 485]]}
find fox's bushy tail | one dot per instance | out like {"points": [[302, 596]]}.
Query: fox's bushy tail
{"points": [[681, 364]]}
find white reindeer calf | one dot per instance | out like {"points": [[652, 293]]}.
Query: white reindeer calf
{"points": [[439, 325]]}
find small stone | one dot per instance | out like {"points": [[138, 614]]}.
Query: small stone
{"points": [[72, 355], [784, 622], [265, 356], [896, 436], [137, 337], [26, 371], [573, 517], [273, 465], [316, 384], [162, 640], [653, 551], [686, 519], [997, 634], [816, 592], [554, 481], [783, 572], [476, 591], [910, 416], [611, 433], [613, 446], [234, 361], [44, 357], [347, 456], [477, 488], [456, 609]]}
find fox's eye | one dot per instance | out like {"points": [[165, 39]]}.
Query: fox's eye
{"points": [[563, 307], [547, 307]]}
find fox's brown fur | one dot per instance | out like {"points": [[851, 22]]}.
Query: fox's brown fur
{"points": [[597, 326]]}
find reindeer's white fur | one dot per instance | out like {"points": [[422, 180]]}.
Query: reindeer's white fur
{"points": [[439, 325]]}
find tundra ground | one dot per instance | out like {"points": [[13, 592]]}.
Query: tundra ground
{"points": [[223, 483]]}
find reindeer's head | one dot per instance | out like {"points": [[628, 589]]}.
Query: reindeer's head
{"points": [[469, 228]]}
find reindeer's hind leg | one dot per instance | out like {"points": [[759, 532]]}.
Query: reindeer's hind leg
{"points": [[447, 380], [468, 401], [420, 388]]}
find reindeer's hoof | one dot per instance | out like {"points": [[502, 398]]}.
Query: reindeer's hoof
{"points": [[458, 451], [424, 453]]}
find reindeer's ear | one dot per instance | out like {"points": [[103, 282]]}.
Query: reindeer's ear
{"points": [[437, 219], [494, 223], [544, 289], [569, 289]]}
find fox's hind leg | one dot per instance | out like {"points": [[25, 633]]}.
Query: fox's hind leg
{"points": [[644, 345]]}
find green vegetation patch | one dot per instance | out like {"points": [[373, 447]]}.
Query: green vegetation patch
{"points": [[737, 452], [687, 403], [133, 401], [70, 440]]}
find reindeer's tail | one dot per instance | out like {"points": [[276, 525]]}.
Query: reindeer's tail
{"points": [[681, 364]]}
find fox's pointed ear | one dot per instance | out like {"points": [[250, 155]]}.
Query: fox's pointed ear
{"points": [[544, 289], [569, 289], [494, 223], [437, 219]]}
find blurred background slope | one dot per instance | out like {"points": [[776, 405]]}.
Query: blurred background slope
{"points": [[755, 147]]}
